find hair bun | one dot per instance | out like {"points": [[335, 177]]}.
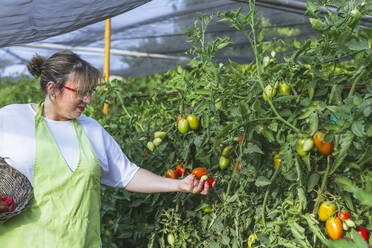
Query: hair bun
{"points": [[35, 65]]}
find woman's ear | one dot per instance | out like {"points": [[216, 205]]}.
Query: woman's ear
{"points": [[50, 86]]}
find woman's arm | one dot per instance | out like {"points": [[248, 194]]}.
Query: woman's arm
{"points": [[145, 181]]}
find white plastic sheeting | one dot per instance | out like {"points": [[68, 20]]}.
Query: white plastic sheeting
{"points": [[24, 21]]}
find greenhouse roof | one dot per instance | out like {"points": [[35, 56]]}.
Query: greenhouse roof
{"points": [[146, 36]]}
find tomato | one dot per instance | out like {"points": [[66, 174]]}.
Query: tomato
{"points": [[180, 169], [223, 163], [150, 146], [171, 174], [193, 122], [270, 92], [238, 139], [334, 228], [276, 161], [205, 178], [284, 89], [157, 141], [170, 239], [183, 126], [199, 172], [145, 153], [180, 117], [326, 210], [323, 148], [186, 172], [207, 209], [210, 181], [304, 146], [159, 134], [227, 151], [251, 239], [363, 232], [343, 215], [218, 104]]}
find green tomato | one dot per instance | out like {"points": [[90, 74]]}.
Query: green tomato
{"points": [[207, 209], [284, 89], [270, 92], [223, 163], [150, 146], [157, 141], [304, 146], [183, 126], [170, 239], [205, 177], [193, 122], [159, 134], [218, 104]]}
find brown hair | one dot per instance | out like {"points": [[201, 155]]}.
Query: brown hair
{"points": [[62, 67]]}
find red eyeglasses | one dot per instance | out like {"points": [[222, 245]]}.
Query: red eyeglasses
{"points": [[83, 94]]}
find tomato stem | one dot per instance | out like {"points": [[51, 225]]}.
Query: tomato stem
{"points": [[324, 182], [253, 42], [351, 92]]}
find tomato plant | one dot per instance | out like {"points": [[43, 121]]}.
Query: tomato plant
{"points": [[329, 77]]}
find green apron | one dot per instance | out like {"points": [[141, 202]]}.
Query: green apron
{"points": [[65, 209]]}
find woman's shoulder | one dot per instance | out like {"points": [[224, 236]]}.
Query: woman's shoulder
{"points": [[15, 109]]}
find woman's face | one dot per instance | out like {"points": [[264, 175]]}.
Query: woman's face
{"points": [[68, 103]]}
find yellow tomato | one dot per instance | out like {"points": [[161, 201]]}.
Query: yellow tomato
{"points": [[326, 210]]}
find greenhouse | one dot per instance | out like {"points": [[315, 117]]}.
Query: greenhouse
{"points": [[186, 123]]}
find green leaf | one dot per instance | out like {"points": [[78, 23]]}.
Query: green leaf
{"points": [[357, 45], [252, 148], [346, 142], [313, 123], [358, 128], [313, 180], [262, 181], [358, 240]]}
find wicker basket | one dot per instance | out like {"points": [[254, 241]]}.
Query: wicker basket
{"points": [[16, 185]]}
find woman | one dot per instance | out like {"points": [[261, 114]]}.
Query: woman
{"points": [[66, 156]]}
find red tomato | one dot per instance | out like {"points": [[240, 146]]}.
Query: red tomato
{"points": [[199, 172], [210, 180], [363, 232], [334, 228], [324, 148], [343, 215], [186, 172], [172, 174], [180, 169]]}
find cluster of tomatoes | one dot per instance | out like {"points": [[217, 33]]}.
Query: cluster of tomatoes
{"points": [[199, 172], [224, 160], [306, 144], [336, 224], [183, 123], [158, 136]]}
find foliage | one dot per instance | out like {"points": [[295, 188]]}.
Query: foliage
{"points": [[331, 91]]}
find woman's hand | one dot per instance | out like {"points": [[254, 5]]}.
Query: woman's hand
{"points": [[191, 184], [144, 181]]}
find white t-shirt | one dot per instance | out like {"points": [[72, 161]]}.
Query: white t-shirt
{"points": [[17, 144]]}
